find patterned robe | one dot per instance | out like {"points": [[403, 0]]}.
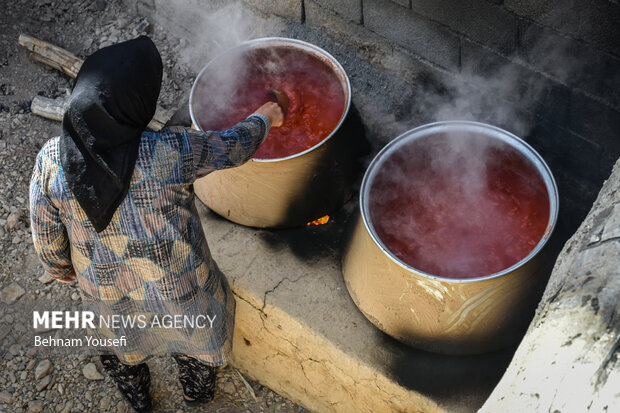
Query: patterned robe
{"points": [[152, 260]]}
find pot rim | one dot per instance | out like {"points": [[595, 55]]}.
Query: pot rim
{"points": [[284, 41], [463, 125]]}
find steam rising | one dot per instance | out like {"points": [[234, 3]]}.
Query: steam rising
{"points": [[215, 27], [449, 213], [509, 96], [505, 98]]}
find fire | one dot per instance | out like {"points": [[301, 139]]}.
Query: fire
{"points": [[320, 221]]}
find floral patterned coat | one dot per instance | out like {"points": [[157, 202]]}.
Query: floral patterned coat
{"points": [[152, 260]]}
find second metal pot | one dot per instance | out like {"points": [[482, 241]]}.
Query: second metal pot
{"points": [[445, 315]]}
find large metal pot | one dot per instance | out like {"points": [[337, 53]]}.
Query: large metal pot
{"points": [[445, 315], [288, 191]]}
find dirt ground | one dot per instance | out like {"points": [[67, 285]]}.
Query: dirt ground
{"points": [[27, 383]]}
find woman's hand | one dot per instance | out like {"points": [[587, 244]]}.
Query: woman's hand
{"points": [[273, 112], [67, 278]]}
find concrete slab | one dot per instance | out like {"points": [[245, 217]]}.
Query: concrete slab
{"points": [[299, 333]]}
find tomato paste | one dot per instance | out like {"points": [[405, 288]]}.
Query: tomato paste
{"points": [[316, 96], [459, 206]]}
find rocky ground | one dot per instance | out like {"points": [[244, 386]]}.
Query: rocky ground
{"points": [[30, 379]]}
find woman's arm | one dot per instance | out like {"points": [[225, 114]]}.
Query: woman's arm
{"points": [[213, 150], [49, 235]]}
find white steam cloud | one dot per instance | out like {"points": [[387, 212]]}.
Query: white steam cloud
{"points": [[506, 95], [213, 28], [509, 96]]}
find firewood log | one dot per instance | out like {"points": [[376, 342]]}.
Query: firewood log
{"points": [[51, 55], [48, 108], [54, 109]]}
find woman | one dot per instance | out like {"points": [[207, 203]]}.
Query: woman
{"points": [[112, 206]]}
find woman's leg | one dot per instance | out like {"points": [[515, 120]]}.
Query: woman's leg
{"points": [[197, 378], [132, 381]]}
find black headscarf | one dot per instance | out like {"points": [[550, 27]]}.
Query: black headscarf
{"points": [[113, 101]]}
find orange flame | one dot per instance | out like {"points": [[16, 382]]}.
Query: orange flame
{"points": [[320, 221]]}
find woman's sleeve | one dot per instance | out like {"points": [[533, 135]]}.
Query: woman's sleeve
{"points": [[49, 235], [214, 150]]}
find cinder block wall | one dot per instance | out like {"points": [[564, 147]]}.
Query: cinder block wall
{"points": [[568, 48]]}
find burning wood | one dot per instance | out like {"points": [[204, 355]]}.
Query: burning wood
{"points": [[320, 221], [68, 63]]}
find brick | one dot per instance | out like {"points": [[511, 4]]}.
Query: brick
{"points": [[571, 61], [595, 21], [480, 60], [576, 198], [371, 52], [291, 9], [563, 15], [350, 10], [578, 119], [404, 3], [563, 149], [515, 91], [553, 104], [575, 190], [550, 11], [516, 83], [413, 32], [600, 25], [479, 20], [601, 77], [597, 122], [549, 52]]}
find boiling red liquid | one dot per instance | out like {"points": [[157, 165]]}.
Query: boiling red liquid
{"points": [[316, 97], [456, 207]]}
